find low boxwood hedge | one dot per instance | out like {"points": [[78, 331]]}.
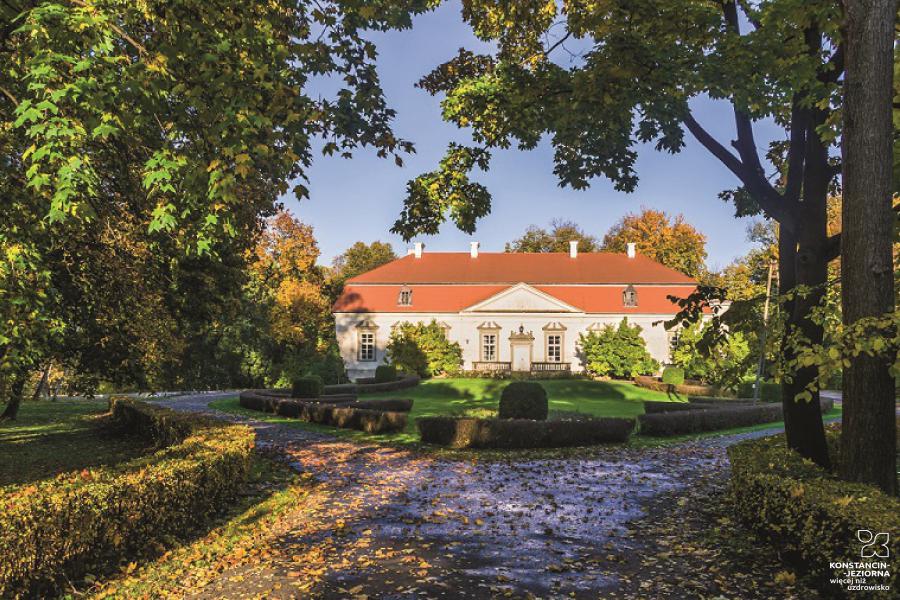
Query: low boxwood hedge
{"points": [[524, 400], [372, 416], [385, 373], [685, 389], [369, 386], [698, 418], [769, 391], [463, 432], [811, 516], [307, 387], [89, 521]]}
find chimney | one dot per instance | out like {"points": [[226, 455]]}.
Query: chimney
{"points": [[410, 251], [473, 249], [630, 250], [573, 249], [419, 246]]}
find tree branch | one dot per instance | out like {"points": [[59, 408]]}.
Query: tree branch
{"points": [[796, 152], [763, 193], [833, 247], [141, 50], [9, 95]]}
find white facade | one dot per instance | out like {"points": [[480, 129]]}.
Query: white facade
{"points": [[530, 329]]}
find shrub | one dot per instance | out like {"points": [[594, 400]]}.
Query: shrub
{"points": [[769, 391], [385, 373], [373, 416], [424, 349], [809, 515], [673, 376], [617, 351], [708, 419], [685, 389], [723, 362], [524, 400], [310, 386], [462, 432], [59, 529]]}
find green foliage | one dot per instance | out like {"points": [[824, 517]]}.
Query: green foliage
{"points": [[724, 362], [769, 391], [811, 516], [669, 241], [360, 258], [466, 432], [385, 373], [59, 529], [617, 351], [537, 239], [307, 387], [524, 400], [423, 349], [141, 142], [673, 376]]}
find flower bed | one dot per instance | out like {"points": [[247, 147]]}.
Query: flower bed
{"points": [[372, 416], [61, 528], [462, 432], [698, 418], [810, 516]]}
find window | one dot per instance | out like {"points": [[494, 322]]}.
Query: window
{"points": [[405, 298], [367, 346], [489, 347], [554, 348], [629, 296]]}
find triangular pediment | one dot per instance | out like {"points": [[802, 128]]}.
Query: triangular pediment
{"points": [[522, 298]]}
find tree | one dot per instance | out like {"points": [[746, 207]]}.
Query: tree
{"points": [[644, 63], [724, 363], [869, 432], [538, 239], [672, 242], [617, 351], [179, 123], [356, 260], [423, 348]]}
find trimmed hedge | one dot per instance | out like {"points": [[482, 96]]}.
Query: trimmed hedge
{"points": [[809, 515], [385, 373], [462, 432], [372, 416], [693, 403], [769, 391], [686, 389], [673, 376], [524, 400], [700, 418], [369, 386], [59, 529], [307, 387]]}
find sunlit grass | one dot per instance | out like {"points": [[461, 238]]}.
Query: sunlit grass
{"points": [[52, 437]]}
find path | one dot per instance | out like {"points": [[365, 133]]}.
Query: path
{"points": [[392, 523]]}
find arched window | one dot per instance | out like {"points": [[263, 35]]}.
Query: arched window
{"points": [[405, 298], [629, 296]]}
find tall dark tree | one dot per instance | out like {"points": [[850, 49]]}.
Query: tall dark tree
{"points": [[869, 436], [644, 63]]}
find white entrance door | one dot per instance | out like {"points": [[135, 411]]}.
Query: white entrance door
{"points": [[521, 357]]}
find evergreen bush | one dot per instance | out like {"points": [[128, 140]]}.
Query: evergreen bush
{"points": [[310, 386], [524, 400], [617, 352]]}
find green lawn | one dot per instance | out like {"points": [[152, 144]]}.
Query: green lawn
{"points": [[479, 397], [49, 438]]}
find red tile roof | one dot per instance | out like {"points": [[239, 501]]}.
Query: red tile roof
{"points": [[531, 268], [426, 298]]}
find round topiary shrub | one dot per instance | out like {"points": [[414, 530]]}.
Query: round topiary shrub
{"points": [[310, 386], [524, 400], [673, 375], [385, 374]]}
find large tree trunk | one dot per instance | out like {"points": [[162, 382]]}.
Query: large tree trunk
{"points": [[869, 436], [15, 399], [804, 264]]}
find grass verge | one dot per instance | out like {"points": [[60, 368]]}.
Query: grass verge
{"points": [[48, 438]]}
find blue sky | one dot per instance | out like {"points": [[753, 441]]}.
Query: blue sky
{"points": [[360, 198]]}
